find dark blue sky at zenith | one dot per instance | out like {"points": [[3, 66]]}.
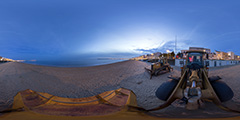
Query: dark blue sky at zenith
{"points": [[69, 29]]}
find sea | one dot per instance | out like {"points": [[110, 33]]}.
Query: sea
{"points": [[74, 63]]}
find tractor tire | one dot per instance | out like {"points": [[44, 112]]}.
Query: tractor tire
{"points": [[166, 89], [223, 91]]}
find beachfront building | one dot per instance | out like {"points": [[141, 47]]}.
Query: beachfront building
{"points": [[212, 56], [150, 56], [142, 57], [157, 54], [184, 53], [208, 51], [153, 55], [221, 55], [236, 57], [217, 58], [231, 56]]}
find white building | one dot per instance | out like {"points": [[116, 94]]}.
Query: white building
{"points": [[212, 56], [221, 55], [208, 51], [184, 52], [231, 56]]}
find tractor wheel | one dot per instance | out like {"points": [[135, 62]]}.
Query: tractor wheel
{"points": [[156, 72], [223, 91], [166, 89]]}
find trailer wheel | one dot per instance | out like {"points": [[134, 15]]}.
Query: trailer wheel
{"points": [[223, 91], [166, 89]]}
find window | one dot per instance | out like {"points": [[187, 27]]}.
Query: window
{"points": [[195, 58]]}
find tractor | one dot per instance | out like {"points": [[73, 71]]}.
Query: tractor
{"points": [[194, 86], [159, 68]]}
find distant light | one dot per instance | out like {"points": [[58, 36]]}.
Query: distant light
{"points": [[168, 51]]}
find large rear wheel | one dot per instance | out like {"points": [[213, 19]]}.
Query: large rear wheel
{"points": [[166, 89], [223, 91]]}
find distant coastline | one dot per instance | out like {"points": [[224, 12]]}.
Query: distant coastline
{"points": [[80, 63]]}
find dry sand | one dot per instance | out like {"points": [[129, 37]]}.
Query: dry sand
{"points": [[89, 81]]}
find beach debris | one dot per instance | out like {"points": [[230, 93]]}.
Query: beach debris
{"points": [[159, 68], [140, 82]]}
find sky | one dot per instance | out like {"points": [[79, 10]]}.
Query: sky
{"points": [[71, 29]]}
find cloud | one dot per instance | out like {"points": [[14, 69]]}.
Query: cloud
{"points": [[169, 45]]}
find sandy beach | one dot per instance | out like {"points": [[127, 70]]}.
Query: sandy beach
{"points": [[89, 81]]}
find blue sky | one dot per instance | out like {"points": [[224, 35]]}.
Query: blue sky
{"points": [[53, 29]]}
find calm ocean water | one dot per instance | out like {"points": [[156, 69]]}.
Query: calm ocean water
{"points": [[80, 63]]}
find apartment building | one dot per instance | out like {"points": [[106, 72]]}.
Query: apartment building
{"points": [[221, 55]]}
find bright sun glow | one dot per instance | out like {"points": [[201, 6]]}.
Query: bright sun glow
{"points": [[168, 51], [130, 41]]}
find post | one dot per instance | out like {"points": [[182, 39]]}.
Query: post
{"points": [[175, 45]]}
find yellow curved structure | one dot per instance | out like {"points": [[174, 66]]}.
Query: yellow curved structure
{"points": [[108, 105]]}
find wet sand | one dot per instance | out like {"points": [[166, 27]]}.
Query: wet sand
{"points": [[89, 81]]}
